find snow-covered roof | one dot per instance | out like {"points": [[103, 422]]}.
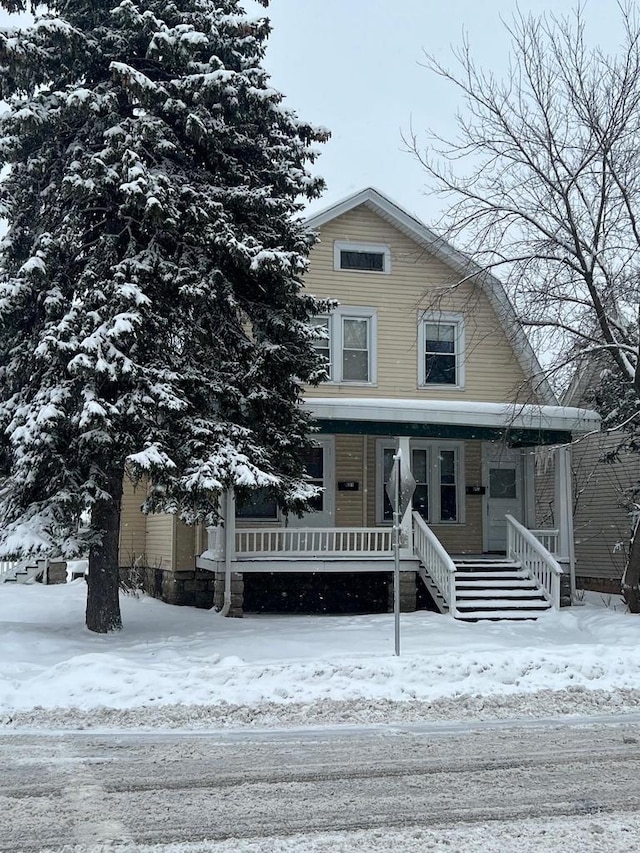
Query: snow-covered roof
{"points": [[512, 416], [457, 261]]}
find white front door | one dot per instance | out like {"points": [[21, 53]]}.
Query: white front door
{"points": [[320, 464], [504, 494]]}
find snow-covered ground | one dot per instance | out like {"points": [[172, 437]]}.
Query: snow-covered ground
{"points": [[181, 667]]}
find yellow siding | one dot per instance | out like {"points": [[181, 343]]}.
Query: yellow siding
{"points": [[350, 506], [417, 282], [132, 523], [160, 541], [185, 546]]}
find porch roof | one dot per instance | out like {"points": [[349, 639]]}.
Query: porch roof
{"points": [[520, 424]]}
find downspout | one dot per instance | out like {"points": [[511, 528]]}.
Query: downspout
{"points": [[229, 547]]}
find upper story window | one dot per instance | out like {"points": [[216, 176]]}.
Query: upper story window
{"points": [[362, 257], [349, 344], [441, 350]]}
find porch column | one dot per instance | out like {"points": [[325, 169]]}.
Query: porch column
{"points": [[229, 509], [563, 501], [222, 536], [403, 444], [215, 534]]}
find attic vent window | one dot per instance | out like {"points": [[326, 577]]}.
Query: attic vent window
{"points": [[361, 261], [362, 257]]}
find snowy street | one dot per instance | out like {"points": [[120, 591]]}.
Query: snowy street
{"points": [[193, 733], [501, 786]]}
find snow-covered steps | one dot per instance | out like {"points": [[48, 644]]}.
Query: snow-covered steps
{"points": [[496, 589], [20, 573]]}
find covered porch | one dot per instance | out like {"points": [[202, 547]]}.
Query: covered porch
{"points": [[471, 534]]}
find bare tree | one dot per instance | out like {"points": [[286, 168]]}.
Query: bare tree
{"points": [[544, 182]]}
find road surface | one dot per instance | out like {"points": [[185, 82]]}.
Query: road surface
{"points": [[93, 792]]}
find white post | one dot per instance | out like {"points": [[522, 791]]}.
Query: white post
{"points": [[563, 499], [229, 525], [228, 507], [396, 550]]}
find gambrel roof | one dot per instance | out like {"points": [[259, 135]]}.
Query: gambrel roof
{"points": [[456, 261]]}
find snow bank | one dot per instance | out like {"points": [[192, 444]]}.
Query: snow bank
{"points": [[184, 667]]}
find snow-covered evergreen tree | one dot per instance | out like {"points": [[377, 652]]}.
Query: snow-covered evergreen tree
{"points": [[151, 313]]}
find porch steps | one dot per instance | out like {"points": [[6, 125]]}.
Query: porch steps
{"points": [[20, 574], [432, 589], [496, 589]]}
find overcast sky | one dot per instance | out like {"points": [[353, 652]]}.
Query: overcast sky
{"points": [[354, 66]]}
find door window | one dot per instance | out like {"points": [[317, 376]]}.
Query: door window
{"points": [[314, 464], [502, 483]]}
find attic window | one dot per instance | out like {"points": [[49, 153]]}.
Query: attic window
{"points": [[362, 257]]}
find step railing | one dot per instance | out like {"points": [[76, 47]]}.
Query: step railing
{"points": [[548, 539], [313, 541], [8, 569], [523, 546], [434, 557]]}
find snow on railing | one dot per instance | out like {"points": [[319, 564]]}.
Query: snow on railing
{"points": [[309, 541], [434, 557], [523, 546], [548, 539]]}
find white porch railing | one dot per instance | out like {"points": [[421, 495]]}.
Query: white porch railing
{"points": [[523, 545], [312, 541], [7, 569], [548, 539], [439, 565]]}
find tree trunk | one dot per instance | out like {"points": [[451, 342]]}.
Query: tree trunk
{"points": [[103, 601], [631, 577]]}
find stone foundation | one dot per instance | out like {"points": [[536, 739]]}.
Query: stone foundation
{"points": [[53, 573], [565, 590], [237, 593], [184, 587], [408, 592], [607, 586]]}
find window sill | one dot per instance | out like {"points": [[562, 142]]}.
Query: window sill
{"points": [[441, 387], [348, 383]]}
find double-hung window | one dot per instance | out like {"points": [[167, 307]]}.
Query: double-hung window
{"points": [[441, 350], [438, 471], [347, 343]]}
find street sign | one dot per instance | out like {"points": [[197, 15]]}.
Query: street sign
{"points": [[400, 489], [401, 485]]}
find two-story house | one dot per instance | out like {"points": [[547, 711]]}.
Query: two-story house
{"points": [[426, 357]]}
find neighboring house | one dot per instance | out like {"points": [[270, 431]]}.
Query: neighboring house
{"points": [[425, 356], [603, 520]]}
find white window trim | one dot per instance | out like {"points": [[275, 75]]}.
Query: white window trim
{"points": [[434, 446], [335, 326], [377, 248], [456, 320]]}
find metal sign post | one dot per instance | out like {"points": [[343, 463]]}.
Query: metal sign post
{"points": [[400, 489]]}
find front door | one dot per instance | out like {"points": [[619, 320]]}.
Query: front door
{"points": [[320, 466], [503, 493]]}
